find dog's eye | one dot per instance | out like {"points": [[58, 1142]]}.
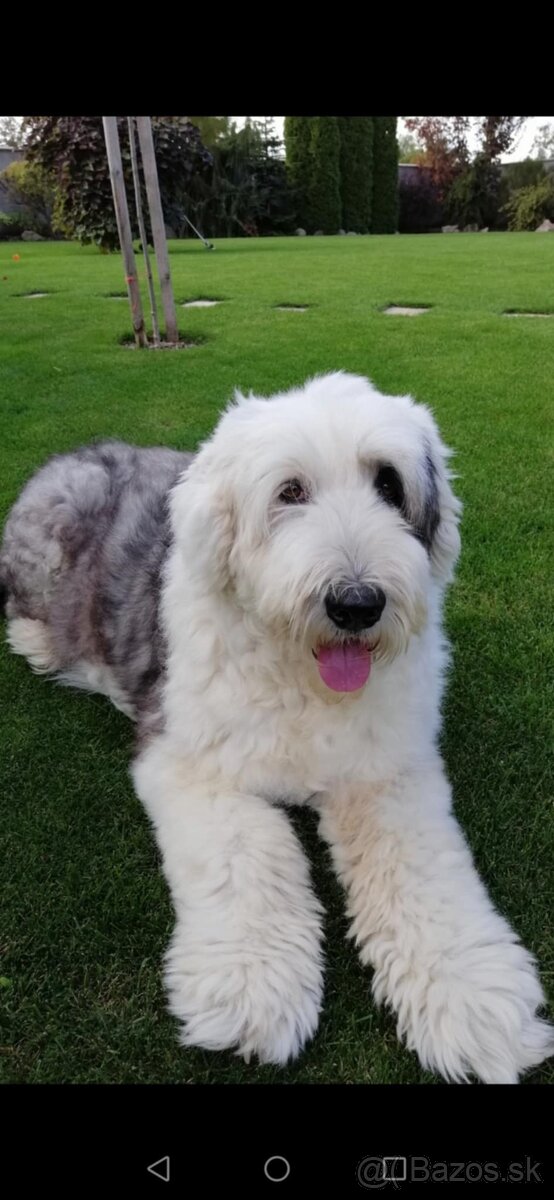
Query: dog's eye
{"points": [[293, 492], [389, 486]]}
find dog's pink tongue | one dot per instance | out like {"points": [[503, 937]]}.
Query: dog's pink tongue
{"points": [[344, 668]]}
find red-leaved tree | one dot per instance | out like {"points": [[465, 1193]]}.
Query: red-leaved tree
{"points": [[444, 142], [444, 147]]}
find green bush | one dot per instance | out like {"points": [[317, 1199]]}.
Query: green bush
{"points": [[514, 177], [474, 197], [245, 192], [28, 186], [356, 172], [325, 201], [12, 226], [529, 206], [523, 174], [72, 151], [385, 176]]}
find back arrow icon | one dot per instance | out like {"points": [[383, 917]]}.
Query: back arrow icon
{"points": [[160, 1168]]}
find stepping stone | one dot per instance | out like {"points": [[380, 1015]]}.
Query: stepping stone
{"points": [[528, 314], [397, 310], [200, 303], [291, 307], [35, 295]]}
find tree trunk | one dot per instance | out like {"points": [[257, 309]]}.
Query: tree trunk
{"points": [[144, 126], [124, 227]]}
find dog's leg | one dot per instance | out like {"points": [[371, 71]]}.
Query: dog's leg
{"points": [[464, 989], [244, 968]]}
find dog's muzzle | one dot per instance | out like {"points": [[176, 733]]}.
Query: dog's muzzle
{"points": [[354, 608]]}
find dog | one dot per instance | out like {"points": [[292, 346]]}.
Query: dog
{"points": [[269, 611]]}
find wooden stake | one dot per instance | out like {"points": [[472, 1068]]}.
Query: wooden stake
{"points": [[124, 227], [144, 126], [142, 230]]}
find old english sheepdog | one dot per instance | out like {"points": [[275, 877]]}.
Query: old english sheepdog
{"points": [[269, 612]]}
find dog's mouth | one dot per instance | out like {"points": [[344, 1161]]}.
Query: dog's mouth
{"points": [[344, 666]]}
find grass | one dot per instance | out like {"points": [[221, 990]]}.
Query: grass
{"points": [[85, 911]]}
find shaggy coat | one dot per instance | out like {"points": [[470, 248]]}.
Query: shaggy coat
{"points": [[269, 612]]}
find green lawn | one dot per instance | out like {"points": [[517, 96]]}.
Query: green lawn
{"points": [[85, 911]]}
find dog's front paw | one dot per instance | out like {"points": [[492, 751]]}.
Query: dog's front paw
{"points": [[474, 1014], [261, 996]]}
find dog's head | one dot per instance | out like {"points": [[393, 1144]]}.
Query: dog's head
{"points": [[327, 515]]}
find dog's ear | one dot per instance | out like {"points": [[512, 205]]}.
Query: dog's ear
{"points": [[444, 535], [444, 545], [203, 519], [440, 515]]}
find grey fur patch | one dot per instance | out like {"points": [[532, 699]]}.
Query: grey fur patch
{"points": [[430, 514], [83, 550], [424, 519]]}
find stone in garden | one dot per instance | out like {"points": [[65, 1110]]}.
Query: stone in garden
{"points": [[200, 304], [450, 229], [400, 310], [300, 232], [546, 227], [29, 235]]}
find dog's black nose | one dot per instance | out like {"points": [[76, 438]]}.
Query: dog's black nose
{"points": [[355, 608]]}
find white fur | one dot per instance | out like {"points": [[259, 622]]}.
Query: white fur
{"points": [[33, 640], [464, 989], [244, 965], [247, 722]]}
